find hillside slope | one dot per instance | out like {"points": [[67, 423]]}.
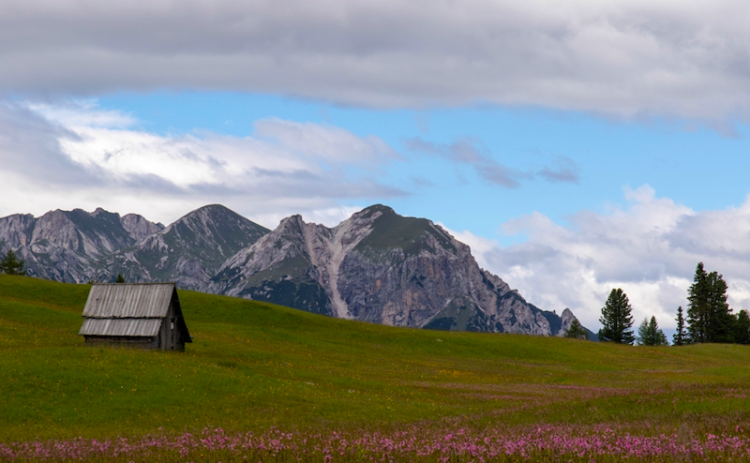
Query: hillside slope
{"points": [[254, 365]]}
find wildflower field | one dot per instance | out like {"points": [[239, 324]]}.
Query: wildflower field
{"points": [[267, 383]]}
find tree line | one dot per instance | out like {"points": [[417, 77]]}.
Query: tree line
{"points": [[709, 317]]}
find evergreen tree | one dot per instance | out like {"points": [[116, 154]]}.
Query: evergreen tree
{"points": [[680, 337], [120, 278], [649, 334], [709, 317], [11, 265], [698, 305], [742, 328], [721, 321], [576, 330], [616, 319]]}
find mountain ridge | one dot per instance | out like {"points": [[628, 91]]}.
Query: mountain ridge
{"points": [[375, 266], [189, 250], [380, 267]]}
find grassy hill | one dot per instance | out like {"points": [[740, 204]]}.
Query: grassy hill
{"points": [[254, 365]]}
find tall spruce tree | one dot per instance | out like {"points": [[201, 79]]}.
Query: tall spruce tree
{"points": [[11, 265], [698, 296], [649, 333], [680, 337], [721, 321], [742, 328], [616, 319], [709, 317]]}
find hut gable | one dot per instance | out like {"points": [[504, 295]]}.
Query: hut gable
{"points": [[143, 315]]}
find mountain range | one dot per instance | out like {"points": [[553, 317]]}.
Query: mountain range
{"points": [[376, 266]]}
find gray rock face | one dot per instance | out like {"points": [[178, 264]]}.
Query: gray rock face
{"points": [[139, 227], [16, 230], [296, 265], [383, 268], [67, 245], [189, 251], [567, 318]]}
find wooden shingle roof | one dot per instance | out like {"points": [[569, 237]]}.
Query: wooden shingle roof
{"points": [[134, 327], [129, 300]]}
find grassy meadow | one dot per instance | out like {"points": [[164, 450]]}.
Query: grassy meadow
{"points": [[258, 368]]}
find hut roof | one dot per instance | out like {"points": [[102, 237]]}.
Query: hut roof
{"points": [[135, 327], [129, 300]]}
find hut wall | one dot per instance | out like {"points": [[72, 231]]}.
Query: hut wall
{"points": [[178, 343], [174, 319], [170, 337], [164, 332]]}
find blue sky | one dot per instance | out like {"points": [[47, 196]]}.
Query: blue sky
{"points": [[692, 164], [576, 146]]}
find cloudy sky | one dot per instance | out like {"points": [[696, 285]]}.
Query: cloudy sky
{"points": [[576, 145]]}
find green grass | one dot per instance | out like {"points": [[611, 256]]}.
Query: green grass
{"points": [[254, 365], [391, 230]]}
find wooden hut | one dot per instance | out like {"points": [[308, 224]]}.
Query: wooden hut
{"points": [[140, 315]]}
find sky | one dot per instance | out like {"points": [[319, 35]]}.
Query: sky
{"points": [[576, 146]]}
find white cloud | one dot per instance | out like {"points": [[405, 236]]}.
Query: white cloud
{"points": [[82, 114], [330, 217], [78, 155], [328, 143], [625, 58], [649, 249]]}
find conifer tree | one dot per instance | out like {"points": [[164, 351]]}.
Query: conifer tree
{"points": [[709, 317], [576, 330], [742, 328], [721, 321], [11, 265], [649, 333], [120, 278], [680, 337], [698, 296], [616, 319]]}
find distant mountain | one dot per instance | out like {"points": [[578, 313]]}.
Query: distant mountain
{"points": [[380, 267], [376, 266], [66, 245], [78, 246], [189, 251]]}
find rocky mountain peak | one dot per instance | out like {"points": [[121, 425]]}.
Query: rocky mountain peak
{"points": [[56, 227], [410, 234], [189, 251], [292, 224], [64, 245], [139, 227], [380, 267], [99, 211], [375, 209], [566, 319], [16, 230]]}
